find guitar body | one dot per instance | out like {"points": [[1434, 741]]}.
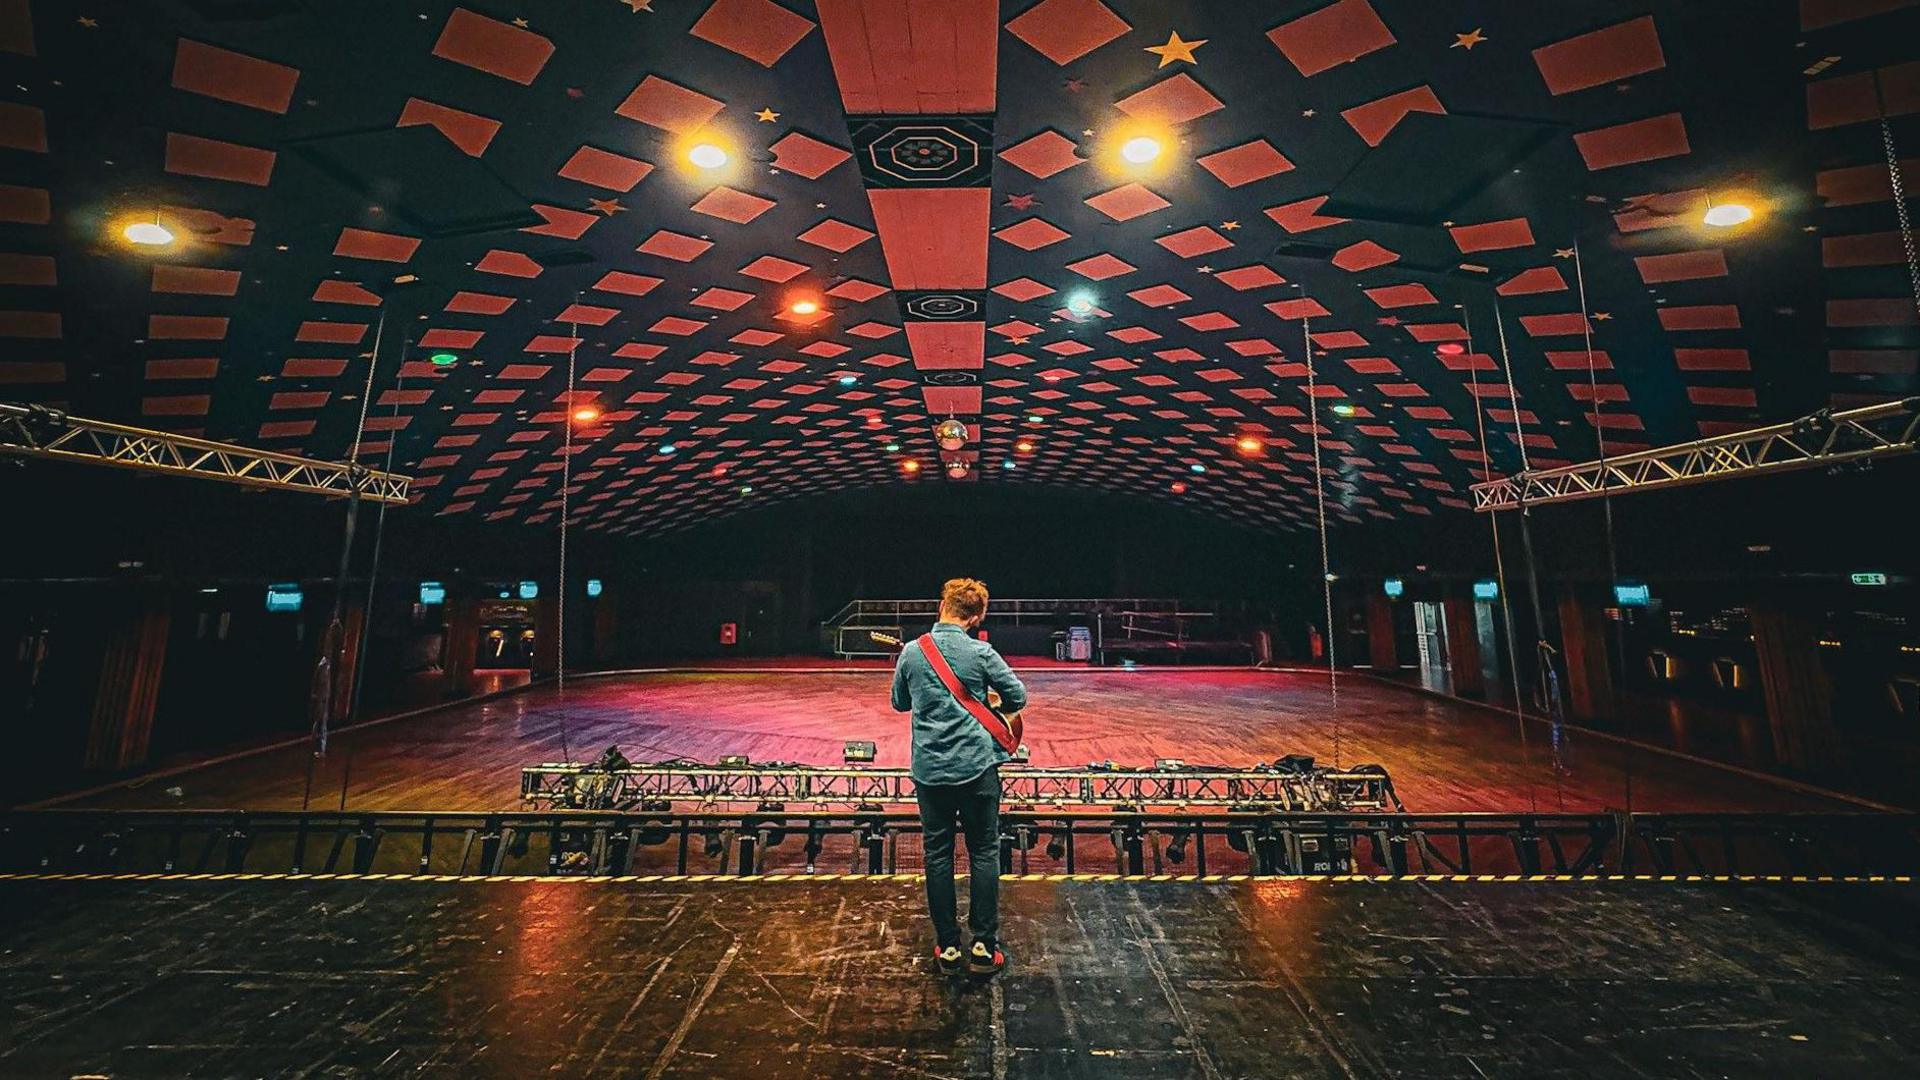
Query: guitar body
{"points": [[1011, 719]]}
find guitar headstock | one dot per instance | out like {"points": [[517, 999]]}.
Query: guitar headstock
{"points": [[883, 639]]}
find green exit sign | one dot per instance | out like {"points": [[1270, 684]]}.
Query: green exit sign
{"points": [[1869, 578]]}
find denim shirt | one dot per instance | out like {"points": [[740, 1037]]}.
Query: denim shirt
{"points": [[949, 745]]}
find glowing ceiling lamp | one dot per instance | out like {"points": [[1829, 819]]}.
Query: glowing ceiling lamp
{"points": [[1140, 150], [1080, 304], [443, 359], [1343, 409], [1450, 348], [586, 414], [849, 380], [1728, 214], [910, 466], [892, 446], [707, 156], [1248, 444], [147, 234], [1025, 446], [804, 307], [1178, 487], [1197, 467]]}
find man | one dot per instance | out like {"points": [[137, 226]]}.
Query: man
{"points": [[956, 769]]}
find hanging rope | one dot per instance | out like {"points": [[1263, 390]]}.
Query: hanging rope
{"points": [[321, 691], [1606, 511], [1500, 573], [1326, 566], [1548, 674], [566, 508], [1898, 184]]}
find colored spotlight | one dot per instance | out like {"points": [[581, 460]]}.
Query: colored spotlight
{"points": [[1140, 150], [1080, 303], [707, 156], [147, 234], [1197, 467], [804, 307], [910, 466], [586, 414], [1008, 464], [1727, 215], [1343, 409], [669, 449], [892, 446], [849, 380], [1025, 446], [1178, 487], [1248, 445], [1450, 348], [443, 359]]}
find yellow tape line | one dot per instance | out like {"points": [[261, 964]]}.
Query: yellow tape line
{"points": [[672, 879]]}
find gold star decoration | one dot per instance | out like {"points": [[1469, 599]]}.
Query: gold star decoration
{"points": [[609, 207], [1175, 49], [91, 24], [1468, 40], [1203, 269], [1601, 316], [520, 22], [1019, 340], [766, 116], [638, 6], [1308, 113], [1229, 225], [1563, 253]]}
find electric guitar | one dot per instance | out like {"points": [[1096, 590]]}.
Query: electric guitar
{"points": [[1011, 718]]}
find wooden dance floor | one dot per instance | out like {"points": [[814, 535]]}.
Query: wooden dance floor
{"points": [[1443, 756]]}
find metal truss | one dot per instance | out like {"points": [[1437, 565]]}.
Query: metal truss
{"points": [[1824, 438], [33, 431], [593, 787]]}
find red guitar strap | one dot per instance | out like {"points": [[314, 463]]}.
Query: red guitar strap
{"points": [[1002, 734]]}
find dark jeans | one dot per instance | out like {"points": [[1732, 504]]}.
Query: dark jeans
{"points": [[975, 805]]}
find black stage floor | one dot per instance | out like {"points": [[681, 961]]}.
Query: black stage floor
{"points": [[243, 978]]}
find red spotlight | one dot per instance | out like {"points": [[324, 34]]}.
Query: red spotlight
{"points": [[910, 466], [586, 414], [1178, 487], [1450, 348], [1025, 446], [805, 305], [1249, 445]]}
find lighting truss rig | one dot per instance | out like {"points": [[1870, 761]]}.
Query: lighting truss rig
{"points": [[1302, 788], [1824, 438], [38, 432]]}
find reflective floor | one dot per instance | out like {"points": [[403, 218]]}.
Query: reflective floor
{"points": [[1443, 755], [771, 980]]}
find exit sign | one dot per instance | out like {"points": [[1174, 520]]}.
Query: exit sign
{"points": [[1869, 577]]}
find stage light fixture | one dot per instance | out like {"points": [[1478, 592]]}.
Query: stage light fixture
{"points": [[707, 156], [1056, 846], [586, 414], [1343, 409], [1727, 215], [443, 359], [1140, 150], [804, 307], [733, 761], [855, 752], [147, 234], [910, 466], [1248, 445], [1177, 850], [1080, 303]]}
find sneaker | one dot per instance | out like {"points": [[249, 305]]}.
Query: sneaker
{"points": [[985, 959], [948, 959]]}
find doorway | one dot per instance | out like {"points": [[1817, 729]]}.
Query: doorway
{"points": [[1430, 642]]}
